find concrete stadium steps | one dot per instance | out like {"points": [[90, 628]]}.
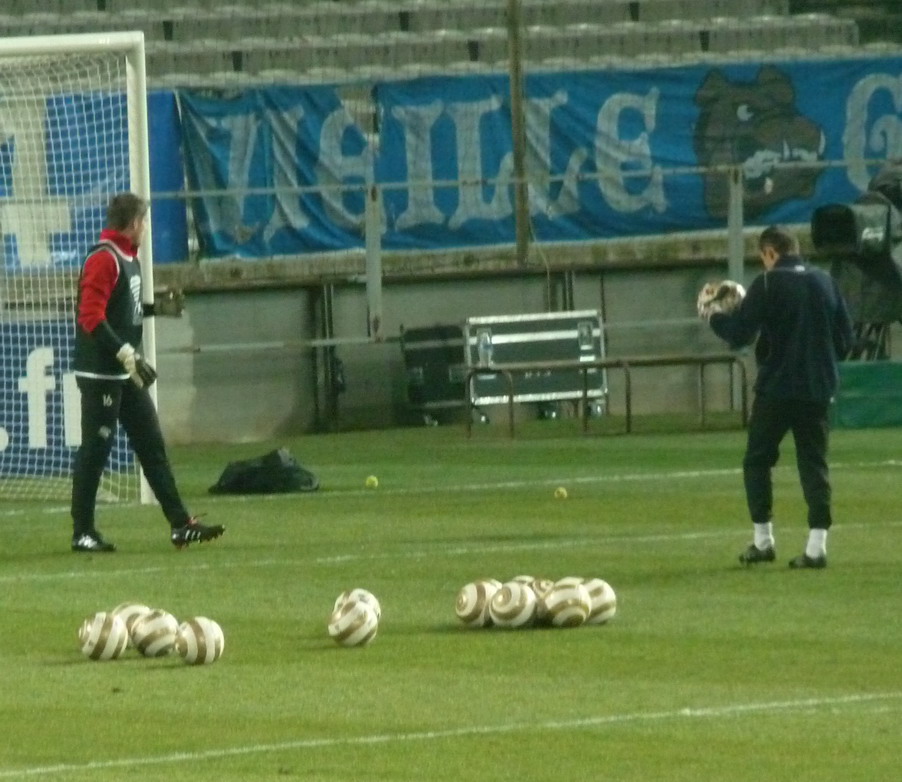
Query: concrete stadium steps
{"points": [[488, 46], [180, 19], [877, 20], [366, 75]]}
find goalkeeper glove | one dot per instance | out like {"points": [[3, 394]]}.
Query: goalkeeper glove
{"points": [[141, 373]]}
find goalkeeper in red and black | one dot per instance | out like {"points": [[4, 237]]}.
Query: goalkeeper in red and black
{"points": [[114, 378]]}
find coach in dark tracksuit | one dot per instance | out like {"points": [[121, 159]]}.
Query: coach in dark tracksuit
{"points": [[803, 330], [113, 380]]}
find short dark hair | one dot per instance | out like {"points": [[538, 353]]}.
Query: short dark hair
{"points": [[124, 209], [781, 239]]}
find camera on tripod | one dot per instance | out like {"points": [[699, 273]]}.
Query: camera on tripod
{"points": [[863, 241]]}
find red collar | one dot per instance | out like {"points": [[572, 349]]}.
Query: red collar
{"points": [[122, 242]]}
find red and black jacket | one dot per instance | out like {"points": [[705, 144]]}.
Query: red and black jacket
{"points": [[109, 310]]}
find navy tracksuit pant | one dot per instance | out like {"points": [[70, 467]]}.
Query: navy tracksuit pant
{"points": [[104, 404], [770, 420]]}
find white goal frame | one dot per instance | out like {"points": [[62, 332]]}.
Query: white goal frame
{"points": [[131, 46]]}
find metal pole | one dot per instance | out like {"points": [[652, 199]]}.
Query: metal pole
{"points": [[736, 243], [735, 225], [373, 240], [518, 130]]}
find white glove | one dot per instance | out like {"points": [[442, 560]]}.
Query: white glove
{"points": [[717, 297], [141, 373], [705, 298]]}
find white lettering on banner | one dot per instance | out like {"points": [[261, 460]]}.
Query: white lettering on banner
{"points": [[35, 385], [613, 154], [225, 211], [538, 161], [885, 137], [334, 167], [471, 204], [287, 212], [34, 216], [615, 158], [418, 122]]}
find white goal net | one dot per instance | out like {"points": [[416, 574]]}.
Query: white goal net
{"points": [[65, 149]]}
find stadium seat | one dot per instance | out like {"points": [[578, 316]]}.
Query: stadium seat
{"points": [[372, 16], [440, 14], [177, 80], [325, 75], [202, 56], [668, 37], [485, 44], [118, 6], [565, 12], [819, 30], [39, 24], [559, 64], [63, 6], [659, 10], [278, 36], [440, 46], [411, 70], [13, 26], [468, 66], [147, 22], [258, 54]]}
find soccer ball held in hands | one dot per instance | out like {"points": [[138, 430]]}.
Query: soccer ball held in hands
{"points": [[719, 297]]}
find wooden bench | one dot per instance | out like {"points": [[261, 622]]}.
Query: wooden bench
{"points": [[625, 364]]}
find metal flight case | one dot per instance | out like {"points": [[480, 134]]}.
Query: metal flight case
{"points": [[536, 338], [435, 366]]}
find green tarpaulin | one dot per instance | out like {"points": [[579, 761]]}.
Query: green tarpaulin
{"points": [[870, 394]]}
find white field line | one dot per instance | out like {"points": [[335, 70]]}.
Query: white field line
{"points": [[462, 550], [834, 704], [526, 483], [438, 548]]}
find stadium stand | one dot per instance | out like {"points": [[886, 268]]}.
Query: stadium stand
{"points": [[199, 42], [877, 20]]}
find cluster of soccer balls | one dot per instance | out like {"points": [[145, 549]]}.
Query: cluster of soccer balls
{"points": [[153, 632], [525, 601], [355, 618], [719, 297]]}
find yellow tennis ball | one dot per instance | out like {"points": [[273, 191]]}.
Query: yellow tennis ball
{"points": [[560, 493], [372, 482]]}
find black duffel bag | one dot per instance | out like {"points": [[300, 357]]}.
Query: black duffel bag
{"points": [[273, 473]]}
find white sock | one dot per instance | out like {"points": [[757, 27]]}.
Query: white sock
{"points": [[817, 543], [764, 535]]}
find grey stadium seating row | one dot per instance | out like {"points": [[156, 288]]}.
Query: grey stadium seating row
{"points": [[489, 45], [231, 21], [369, 74], [190, 41]]}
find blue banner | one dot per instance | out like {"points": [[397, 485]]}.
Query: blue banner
{"points": [[56, 177], [40, 420], [609, 154], [281, 138], [169, 218]]}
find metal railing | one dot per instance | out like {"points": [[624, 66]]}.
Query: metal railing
{"points": [[626, 364]]}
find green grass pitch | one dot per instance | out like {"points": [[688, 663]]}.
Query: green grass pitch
{"points": [[708, 672]]}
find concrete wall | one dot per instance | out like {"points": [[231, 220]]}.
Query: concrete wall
{"points": [[235, 366]]}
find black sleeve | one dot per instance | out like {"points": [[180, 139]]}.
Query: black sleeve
{"points": [[107, 338]]}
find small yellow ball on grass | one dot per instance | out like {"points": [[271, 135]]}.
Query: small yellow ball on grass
{"points": [[372, 482], [560, 493]]}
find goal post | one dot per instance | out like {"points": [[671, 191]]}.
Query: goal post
{"points": [[73, 133]]}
